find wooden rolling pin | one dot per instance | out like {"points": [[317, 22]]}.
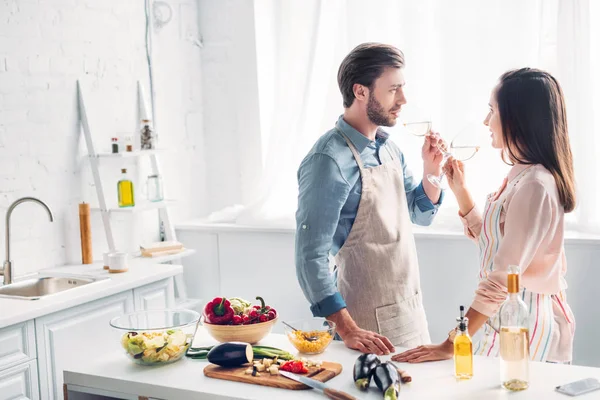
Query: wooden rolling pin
{"points": [[85, 229]]}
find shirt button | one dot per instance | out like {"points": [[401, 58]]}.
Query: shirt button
{"points": [[304, 227]]}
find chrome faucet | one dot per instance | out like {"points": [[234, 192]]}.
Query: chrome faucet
{"points": [[7, 270]]}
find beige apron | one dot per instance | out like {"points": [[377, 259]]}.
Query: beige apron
{"points": [[378, 273]]}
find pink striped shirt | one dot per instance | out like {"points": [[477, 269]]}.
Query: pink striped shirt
{"points": [[532, 227]]}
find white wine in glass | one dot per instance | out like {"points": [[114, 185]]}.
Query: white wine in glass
{"points": [[421, 128], [463, 147]]}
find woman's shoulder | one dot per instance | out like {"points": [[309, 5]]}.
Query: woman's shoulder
{"points": [[538, 179]]}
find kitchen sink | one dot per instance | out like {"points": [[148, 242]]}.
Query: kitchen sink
{"points": [[42, 286]]}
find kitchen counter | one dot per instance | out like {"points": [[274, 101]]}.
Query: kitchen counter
{"points": [[112, 373], [141, 272]]}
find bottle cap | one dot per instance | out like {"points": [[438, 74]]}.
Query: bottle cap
{"points": [[123, 170]]}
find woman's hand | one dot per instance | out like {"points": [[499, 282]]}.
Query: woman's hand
{"points": [[430, 352], [455, 172]]}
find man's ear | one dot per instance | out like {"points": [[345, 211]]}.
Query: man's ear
{"points": [[361, 92]]}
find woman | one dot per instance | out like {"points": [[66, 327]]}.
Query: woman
{"points": [[523, 222]]}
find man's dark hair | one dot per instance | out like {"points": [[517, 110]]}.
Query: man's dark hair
{"points": [[364, 65]]}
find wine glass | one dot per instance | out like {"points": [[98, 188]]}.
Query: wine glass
{"points": [[463, 146]]}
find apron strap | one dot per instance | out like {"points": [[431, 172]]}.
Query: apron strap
{"points": [[353, 150]]}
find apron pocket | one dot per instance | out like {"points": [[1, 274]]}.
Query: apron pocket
{"points": [[402, 322]]}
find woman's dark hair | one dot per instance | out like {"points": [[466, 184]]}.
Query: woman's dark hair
{"points": [[364, 65], [534, 125]]}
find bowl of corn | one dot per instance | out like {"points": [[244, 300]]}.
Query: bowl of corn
{"points": [[312, 336]]}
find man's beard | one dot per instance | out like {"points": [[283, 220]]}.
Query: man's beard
{"points": [[377, 114]]}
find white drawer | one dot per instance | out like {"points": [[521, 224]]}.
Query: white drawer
{"points": [[17, 344], [20, 382]]}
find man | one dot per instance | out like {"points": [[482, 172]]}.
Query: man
{"points": [[356, 201]]}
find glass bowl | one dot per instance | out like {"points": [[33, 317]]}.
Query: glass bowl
{"points": [[157, 336], [312, 336]]}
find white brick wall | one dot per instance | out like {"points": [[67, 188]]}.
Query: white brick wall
{"points": [[45, 46]]}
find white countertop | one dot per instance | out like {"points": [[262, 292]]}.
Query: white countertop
{"points": [[184, 380], [13, 311]]}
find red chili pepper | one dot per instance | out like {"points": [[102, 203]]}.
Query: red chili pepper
{"points": [[263, 317], [237, 320], [271, 315], [245, 319], [219, 311], [253, 314]]}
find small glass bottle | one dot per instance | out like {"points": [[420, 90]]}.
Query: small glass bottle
{"points": [[463, 348], [125, 190], [514, 336], [114, 145], [128, 143]]}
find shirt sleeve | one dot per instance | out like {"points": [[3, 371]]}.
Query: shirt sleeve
{"points": [[529, 216], [472, 222], [421, 208], [322, 193]]}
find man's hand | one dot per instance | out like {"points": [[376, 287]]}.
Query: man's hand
{"points": [[368, 342], [432, 156], [431, 352], [360, 339]]}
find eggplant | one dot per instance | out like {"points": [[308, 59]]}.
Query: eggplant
{"points": [[363, 370], [231, 354], [387, 380]]}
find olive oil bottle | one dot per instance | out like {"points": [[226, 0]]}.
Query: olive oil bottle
{"points": [[463, 348], [125, 190]]}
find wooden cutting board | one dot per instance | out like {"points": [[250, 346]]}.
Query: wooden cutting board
{"points": [[327, 371]]}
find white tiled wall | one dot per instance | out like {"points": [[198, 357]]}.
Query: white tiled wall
{"points": [[45, 46]]}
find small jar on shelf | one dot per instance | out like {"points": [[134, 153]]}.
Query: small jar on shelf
{"points": [[129, 143], [114, 145], [147, 137]]}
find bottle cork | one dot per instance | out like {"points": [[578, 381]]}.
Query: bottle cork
{"points": [[85, 229]]}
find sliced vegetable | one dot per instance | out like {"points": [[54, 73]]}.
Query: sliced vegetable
{"points": [[296, 367], [274, 370], [151, 347], [387, 380], [363, 370], [231, 354], [259, 352]]}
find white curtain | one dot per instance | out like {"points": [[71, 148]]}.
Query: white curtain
{"points": [[455, 52]]}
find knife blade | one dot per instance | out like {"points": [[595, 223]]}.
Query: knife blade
{"points": [[318, 385]]}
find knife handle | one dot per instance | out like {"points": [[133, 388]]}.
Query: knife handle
{"points": [[338, 395]]}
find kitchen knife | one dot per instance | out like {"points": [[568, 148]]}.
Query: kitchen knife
{"points": [[315, 384]]}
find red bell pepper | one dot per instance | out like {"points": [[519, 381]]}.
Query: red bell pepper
{"points": [[296, 367], [219, 311]]}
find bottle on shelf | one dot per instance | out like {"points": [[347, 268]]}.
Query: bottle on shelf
{"points": [[463, 348], [514, 337], [128, 143], [114, 145], [125, 190]]}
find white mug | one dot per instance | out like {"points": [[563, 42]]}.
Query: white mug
{"points": [[117, 262]]}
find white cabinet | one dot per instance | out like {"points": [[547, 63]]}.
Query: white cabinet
{"points": [[20, 382], [71, 334], [155, 296], [17, 344]]}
